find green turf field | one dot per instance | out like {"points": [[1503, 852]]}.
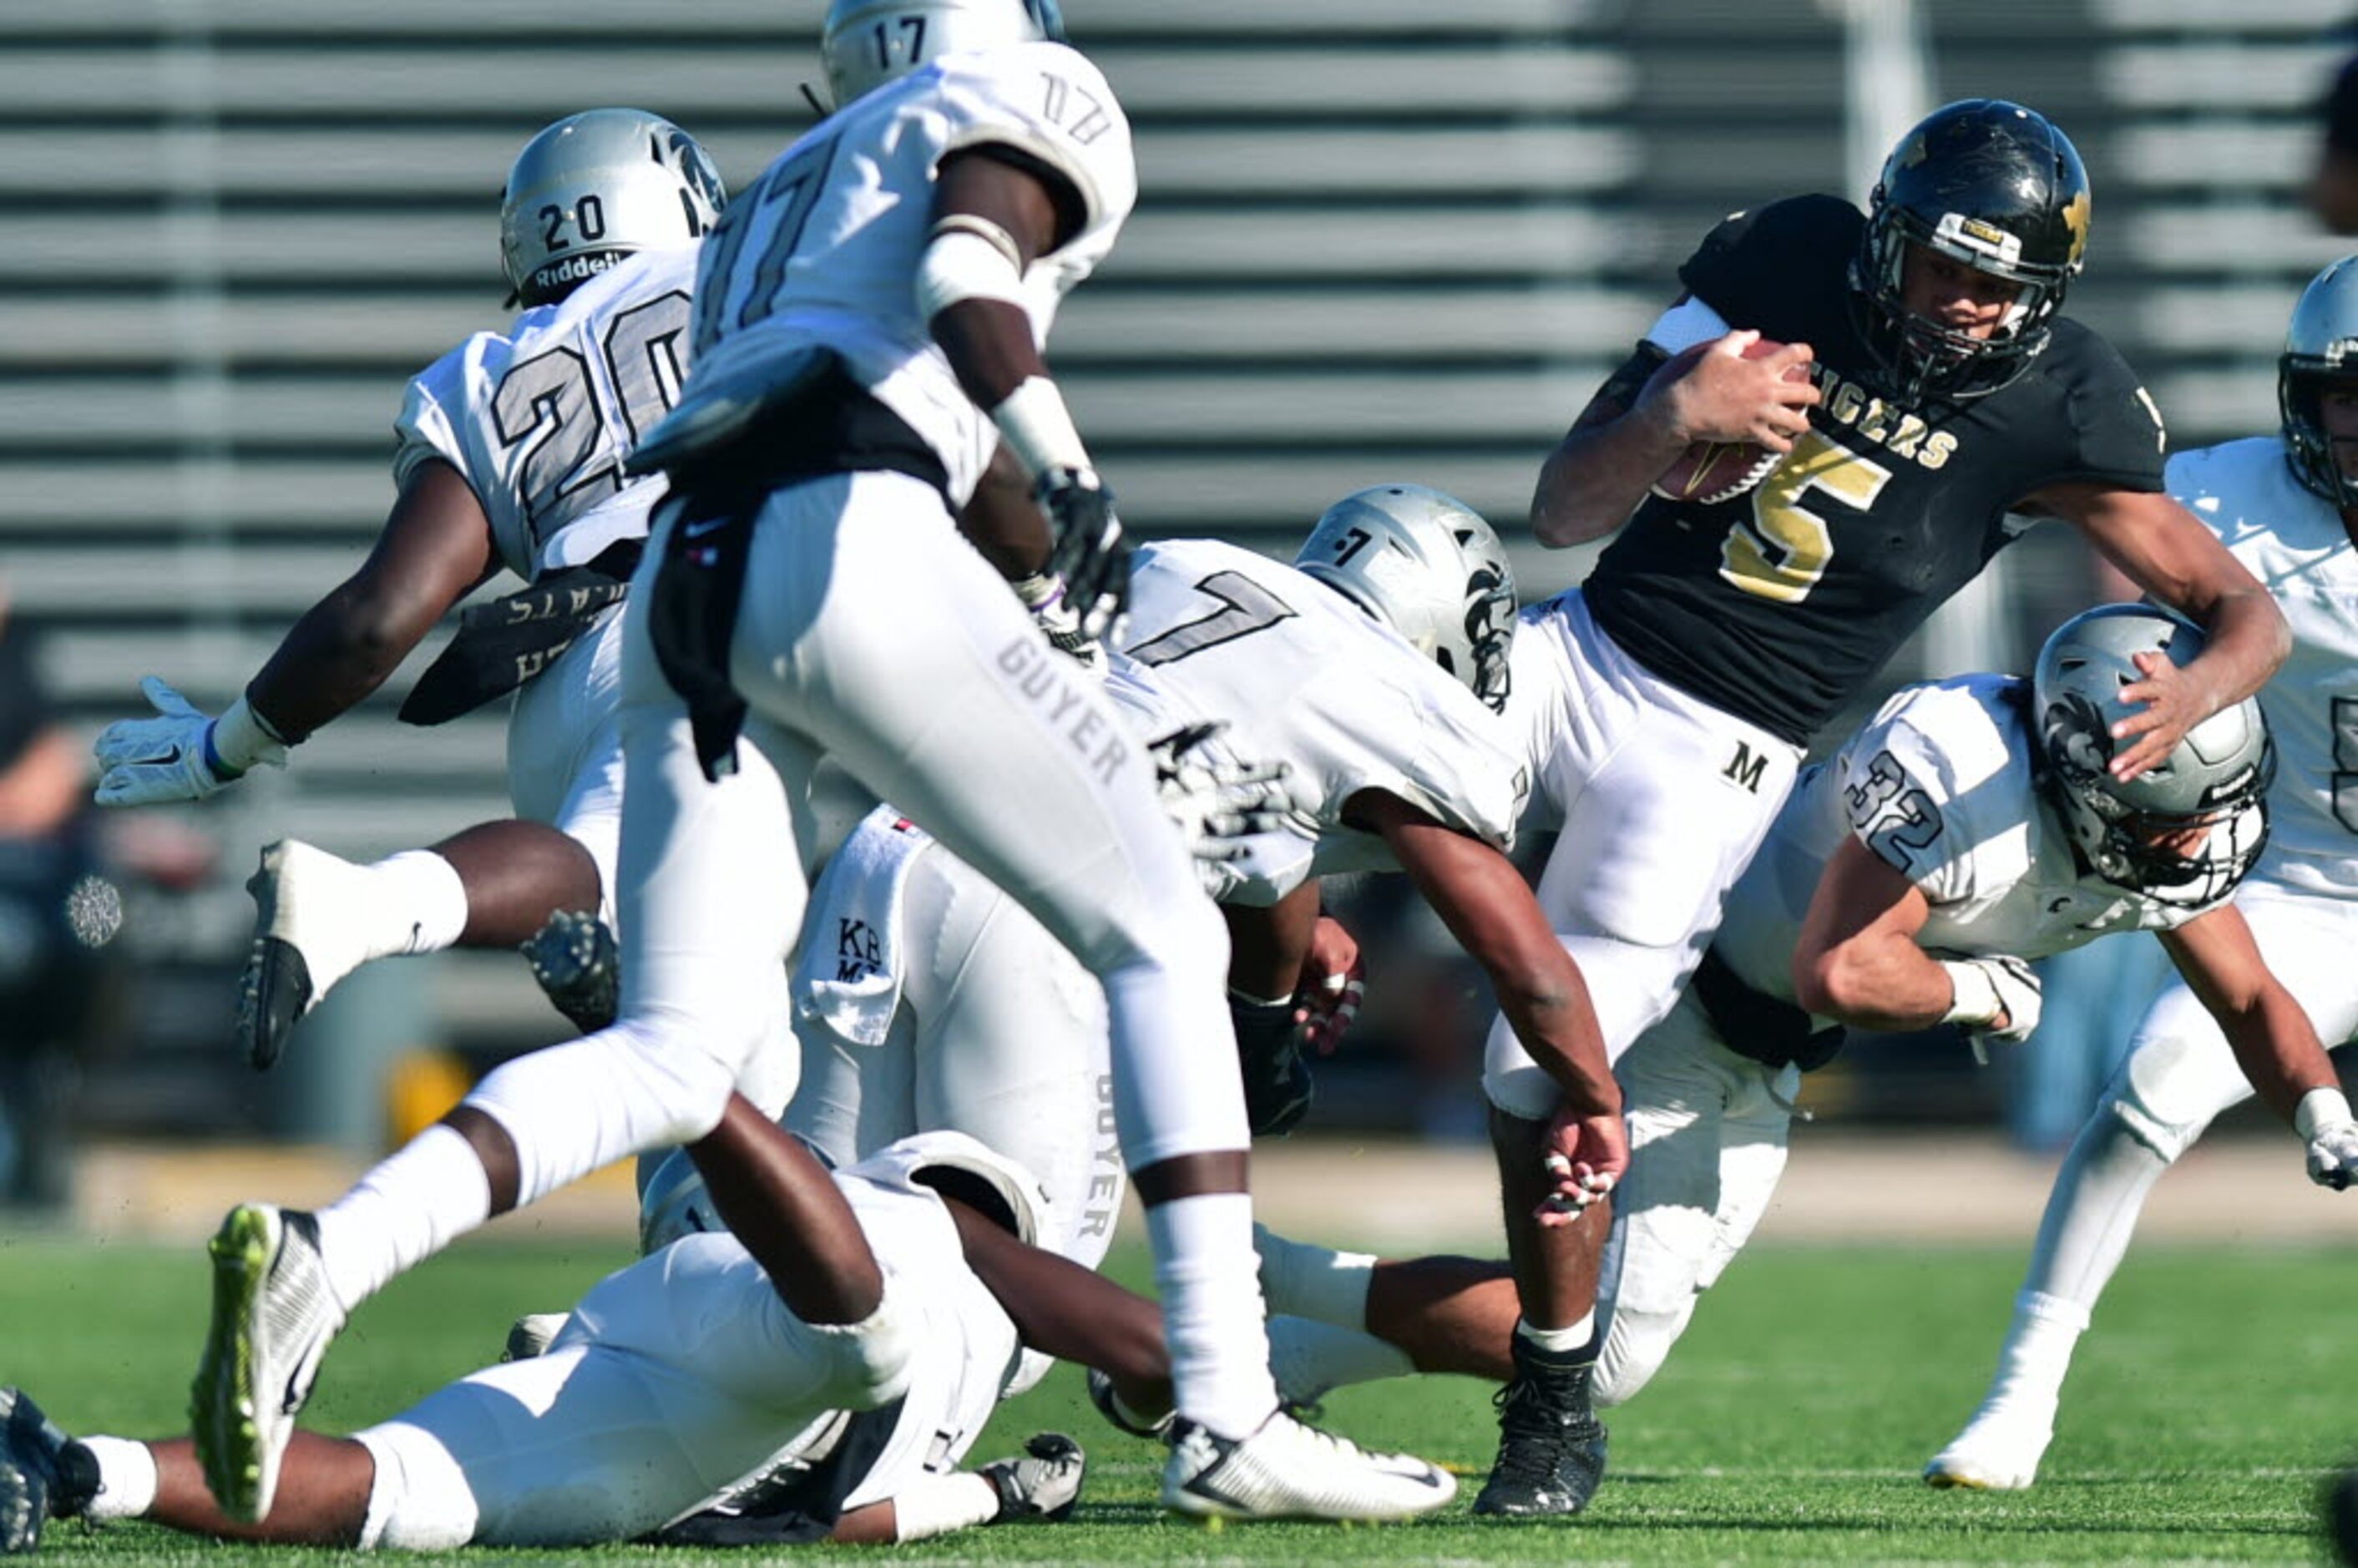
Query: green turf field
{"points": [[2212, 1396]]}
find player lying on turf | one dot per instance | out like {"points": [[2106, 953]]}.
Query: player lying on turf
{"points": [[1969, 827], [1675, 693], [509, 457], [2285, 505], [715, 1360]]}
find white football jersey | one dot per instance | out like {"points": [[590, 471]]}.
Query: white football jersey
{"points": [[1300, 675], [824, 248], [539, 419], [1939, 784], [2293, 541]]}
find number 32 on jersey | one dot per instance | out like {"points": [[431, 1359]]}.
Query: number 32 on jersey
{"points": [[1784, 548]]}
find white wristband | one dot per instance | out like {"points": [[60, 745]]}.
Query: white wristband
{"points": [[1973, 997], [935, 1505], [241, 738], [1037, 427], [2319, 1107]]}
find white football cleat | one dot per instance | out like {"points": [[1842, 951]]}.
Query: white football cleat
{"points": [[1287, 1470], [1998, 1451], [274, 1316], [305, 940]]}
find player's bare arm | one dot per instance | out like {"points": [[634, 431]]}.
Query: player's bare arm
{"points": [[1857, 961], [436, 545], [1489, 909], [2273, 1042], [1648, 413], [2170, 555]]}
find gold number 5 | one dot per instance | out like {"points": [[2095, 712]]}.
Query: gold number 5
{"points": [[1783, 551]]}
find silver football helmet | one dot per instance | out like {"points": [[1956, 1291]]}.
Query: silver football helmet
{"points": [[1427, 566], [596, 186], [2320, 348], [2184, 833], [867, 43]]}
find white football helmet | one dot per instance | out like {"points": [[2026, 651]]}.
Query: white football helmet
{"points": [[1429, 567], [2184, 833], [596, 186], [2320, 351], [867, 43]]}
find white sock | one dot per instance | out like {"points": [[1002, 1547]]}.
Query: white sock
{"points": [[406, 1208], [1309, 1359], [1313, 1281], [1207, 1275], [127, 1479], [2038, 1352], [1560, 1341], [418, 904], [936, 1505]]}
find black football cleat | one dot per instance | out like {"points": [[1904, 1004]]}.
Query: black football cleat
{"points": [[44, 1474], [1551, 1445]]}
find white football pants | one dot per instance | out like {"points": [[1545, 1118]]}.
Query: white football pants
{"points": [[1707, 1130], [1663, 800], [999, 1034], [873, 634], [673, 1380], [564, 748]]}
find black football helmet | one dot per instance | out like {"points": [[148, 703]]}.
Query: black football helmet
{"points": [[1997, 187]]}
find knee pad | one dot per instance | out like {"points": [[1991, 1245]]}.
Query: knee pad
{"points": [[2169, 1091], [419, 1499]]}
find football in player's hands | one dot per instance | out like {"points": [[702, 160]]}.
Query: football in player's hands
{"points": [[1709, 472]]}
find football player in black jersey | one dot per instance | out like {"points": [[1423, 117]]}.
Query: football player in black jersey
{"points": [[1938, 393]]}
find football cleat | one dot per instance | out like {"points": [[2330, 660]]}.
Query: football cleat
{"points": [[303, 943], [44, 1474], [1551, 1445], [1120, 1417], [273, 1318], [1042, 1484], [530, 1334], [1998, 1451], [574, 960], [1283, 1469]]}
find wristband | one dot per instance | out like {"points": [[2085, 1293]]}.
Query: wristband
{"points": [[2319, 1107], [239, 739], [1037, 427], [1039, 590], [1973, 997]]}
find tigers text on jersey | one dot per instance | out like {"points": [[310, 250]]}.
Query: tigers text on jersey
{"points": [[823, 250], [1780, 604], [1939, 784], [1300, 674], [539, 419], [2293, 541]]}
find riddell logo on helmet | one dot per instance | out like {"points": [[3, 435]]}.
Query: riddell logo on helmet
{"points": [[574, 269]]}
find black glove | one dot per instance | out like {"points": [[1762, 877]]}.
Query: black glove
{"points": [[1091, 554]]}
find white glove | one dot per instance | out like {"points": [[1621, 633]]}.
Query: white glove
{"points": [[1220, 804], [2323, 1118], [184, 753], [1988, 989]]}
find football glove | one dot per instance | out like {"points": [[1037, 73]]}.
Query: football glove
{"points": [[1986, 989], [1043, 593], [1218, 804], [2324, 1119], [1091, 555], [183, 753]]}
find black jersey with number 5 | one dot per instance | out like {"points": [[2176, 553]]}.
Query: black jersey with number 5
{"points": [[1779, 605]]}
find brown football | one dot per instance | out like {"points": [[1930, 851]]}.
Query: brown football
{"points": [[1709, 472]]}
